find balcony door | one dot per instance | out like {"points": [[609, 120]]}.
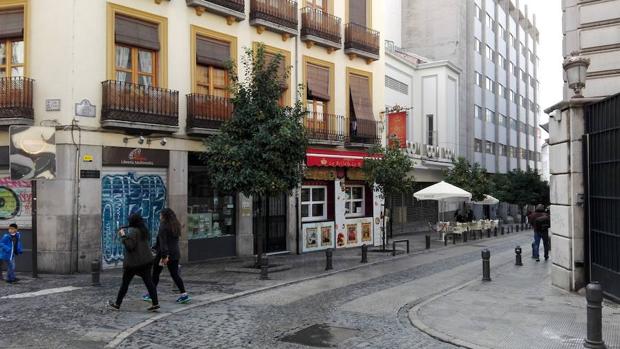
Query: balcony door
{"points": [[318, 5], [135, 54], [318, 98], [12, 43], [357, 12]]}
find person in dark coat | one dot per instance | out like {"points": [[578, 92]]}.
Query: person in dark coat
{"points": [[167, 252], [137, 260], [538, 235]]}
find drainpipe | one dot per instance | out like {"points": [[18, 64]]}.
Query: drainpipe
{"points": [[297, 191]]}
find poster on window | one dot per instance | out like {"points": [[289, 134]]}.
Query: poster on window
{"points": [[317, 236], [15, 203], [357, 231]]}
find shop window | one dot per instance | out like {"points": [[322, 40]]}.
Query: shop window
{"points": [[12, 43], [354, 205], [313, 203], [135, 57]]}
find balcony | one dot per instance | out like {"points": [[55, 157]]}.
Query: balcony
{"points": [[363, 132], [320, 28], [323, 128], [139, 108], [16, 101], [206, 114], [279, 16], [361, 41], [233, 10]]}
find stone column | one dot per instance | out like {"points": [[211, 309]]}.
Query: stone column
{"points": [[177, 195], [245, 238]]}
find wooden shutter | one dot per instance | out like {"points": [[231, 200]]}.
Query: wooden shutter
{"points": [[212, 52], [137, 33], [357, 12], [11, 24], [318, 82], [361, 102], [269, 57]]}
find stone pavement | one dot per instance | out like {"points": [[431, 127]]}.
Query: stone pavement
{"points": [[518, 309]]}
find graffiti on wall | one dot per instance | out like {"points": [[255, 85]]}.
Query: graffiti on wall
{"points": [[15, 202], [122, 195]]}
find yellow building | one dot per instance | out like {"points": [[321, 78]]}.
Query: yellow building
{"points": [[134, 88]]}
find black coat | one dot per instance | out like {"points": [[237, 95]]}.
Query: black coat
{"points": [[167, 244], [137, 250]]}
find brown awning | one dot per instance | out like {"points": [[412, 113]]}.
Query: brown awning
{"points": [[134, 32], [361, 101], [269, 57], [212, 52], [11, 24], [318, 82]]}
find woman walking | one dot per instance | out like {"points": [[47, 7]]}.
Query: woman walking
{"points": [[168, 253], [137, 261]]}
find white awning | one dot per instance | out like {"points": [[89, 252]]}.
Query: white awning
{"points": [[443, 191], [488, 200]]}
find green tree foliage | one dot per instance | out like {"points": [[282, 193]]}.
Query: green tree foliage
{"points": [[471, 178], [521, 188]]}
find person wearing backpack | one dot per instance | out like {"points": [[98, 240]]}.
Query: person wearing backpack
{"points": [[531, 218], [137, 260], [543, 223]]}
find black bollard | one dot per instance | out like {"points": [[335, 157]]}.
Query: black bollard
{"points": [[428, 241], [502, 230], [594, 297], [486, 265], [465, 236], [445, 240], [329, 253], [453, 239], [518, 260], [264, 267], [488, 233], [95, 270], [517, 228], [364, 253], [495, 232]]}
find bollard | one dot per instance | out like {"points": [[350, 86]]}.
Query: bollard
{"points": [[364, 253], [486, 265], [465, 236], [453, 239], [445, 240], [502, 230], [329, 253], [518, 260], [594, 297], [95, 270], [428, 242], [488, 233], [264, 267], [495, 232]]}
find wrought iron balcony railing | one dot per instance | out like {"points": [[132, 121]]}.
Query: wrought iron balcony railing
{"points": [[279, 16], [325, 127], [364, 131], [361, 41], [16, 100], [233, 10], [320, 27], [206, 113]]}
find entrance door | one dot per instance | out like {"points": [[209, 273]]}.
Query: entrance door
{"points": [[603, 193], [274, 228]]}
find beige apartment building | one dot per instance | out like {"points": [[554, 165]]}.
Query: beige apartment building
{"points": [[134, 89]]}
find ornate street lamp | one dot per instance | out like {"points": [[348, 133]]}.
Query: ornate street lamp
{"points": [[575, 67]]}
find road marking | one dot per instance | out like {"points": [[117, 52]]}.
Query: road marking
{"points": [[41, 292]]}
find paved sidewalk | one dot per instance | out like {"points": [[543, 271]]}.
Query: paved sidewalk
{"points": [[518, 309]]}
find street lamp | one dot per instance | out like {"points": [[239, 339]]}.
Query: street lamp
{"points": [[575, 67]]}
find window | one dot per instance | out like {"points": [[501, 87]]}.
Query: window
{"points": [[478, 79], [490, 22], [317, 93], [532, 82], [477, 146], [313, 203], [522, 127], [354, 201], [512, 40], [515, 71], [489, 84], [503, 120], [361, 118], [489, 53], [513, 96], [511, 152], [501, 90], [502, 31], [478, 112], [489, 115], [477, 46], [524, 76], [532, 57], [282, 68], [12, 43], [318, 4], [489, 147], [396, 85], [502, 150], [523, 101], [501, 61], [136, 48], [478, 12], [523, 51], [357, 12], [430, 130], [513, 124], [211, 72]]}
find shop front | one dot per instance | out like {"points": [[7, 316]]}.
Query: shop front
{"points": [[338, 209]]}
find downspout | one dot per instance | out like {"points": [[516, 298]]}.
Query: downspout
{"points": [[297, 191]]}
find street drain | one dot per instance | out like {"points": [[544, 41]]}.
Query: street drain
{"points": [[321, 335]]}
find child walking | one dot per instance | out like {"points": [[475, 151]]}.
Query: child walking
{"points": [[10, 247]]}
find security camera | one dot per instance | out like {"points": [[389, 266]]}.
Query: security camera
{"points": [[163, 141], [141, 140]]}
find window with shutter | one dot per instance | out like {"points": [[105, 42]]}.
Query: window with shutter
{"points": [[12, 43], [282, 74], [357, 12], [137, 44], [212, 57]]}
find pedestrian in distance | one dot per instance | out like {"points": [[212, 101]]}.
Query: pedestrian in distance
{"points": [[542, 224], [167, 252], [531, 218], [137, 260], [10, 248]]}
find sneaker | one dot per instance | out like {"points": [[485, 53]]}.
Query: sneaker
{"points": [[153, 307], [114, 305], [184, 299], [537, 259], [146, 298], [546, 258]]}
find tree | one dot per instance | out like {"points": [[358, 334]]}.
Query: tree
{"points": [[521, 188], [261, 149], [388, 170], [471, 178]]}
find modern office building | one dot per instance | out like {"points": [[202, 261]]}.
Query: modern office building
{"points": [[494, 43]]}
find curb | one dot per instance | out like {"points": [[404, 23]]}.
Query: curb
{"points": [[121, 336]]}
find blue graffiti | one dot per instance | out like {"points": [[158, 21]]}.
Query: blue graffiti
{"points": [[122, 195]]}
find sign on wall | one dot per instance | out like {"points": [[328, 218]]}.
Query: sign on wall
{"points": [[32, 152], [356, 232], [397, 127], [15, 203], [317, 236], [135, 157]]}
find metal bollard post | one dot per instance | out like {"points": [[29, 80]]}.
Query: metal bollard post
{"points": [[445, 240], [264, 267], [95, 270], [364, 253], [486, 265], [502, 230], [488, 233], [495, 232], [465, 235], [329, 253], [594, 297], [453, 239], [517, 228], [518, 260], [428, 242]]}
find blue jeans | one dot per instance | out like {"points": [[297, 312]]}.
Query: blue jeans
{"points": [[10, 269], [536, 244]]}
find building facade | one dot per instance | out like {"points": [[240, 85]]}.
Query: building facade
{"points": [[134, 88], [495, 44]]}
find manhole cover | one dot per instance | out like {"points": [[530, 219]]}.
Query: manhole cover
{"points": [[321, 335]]}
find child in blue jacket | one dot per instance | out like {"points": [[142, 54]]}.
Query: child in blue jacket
{"points": [[10, 247]]}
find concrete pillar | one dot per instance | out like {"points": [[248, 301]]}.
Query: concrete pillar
{"points": [[177, 194], [245, 238]]}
